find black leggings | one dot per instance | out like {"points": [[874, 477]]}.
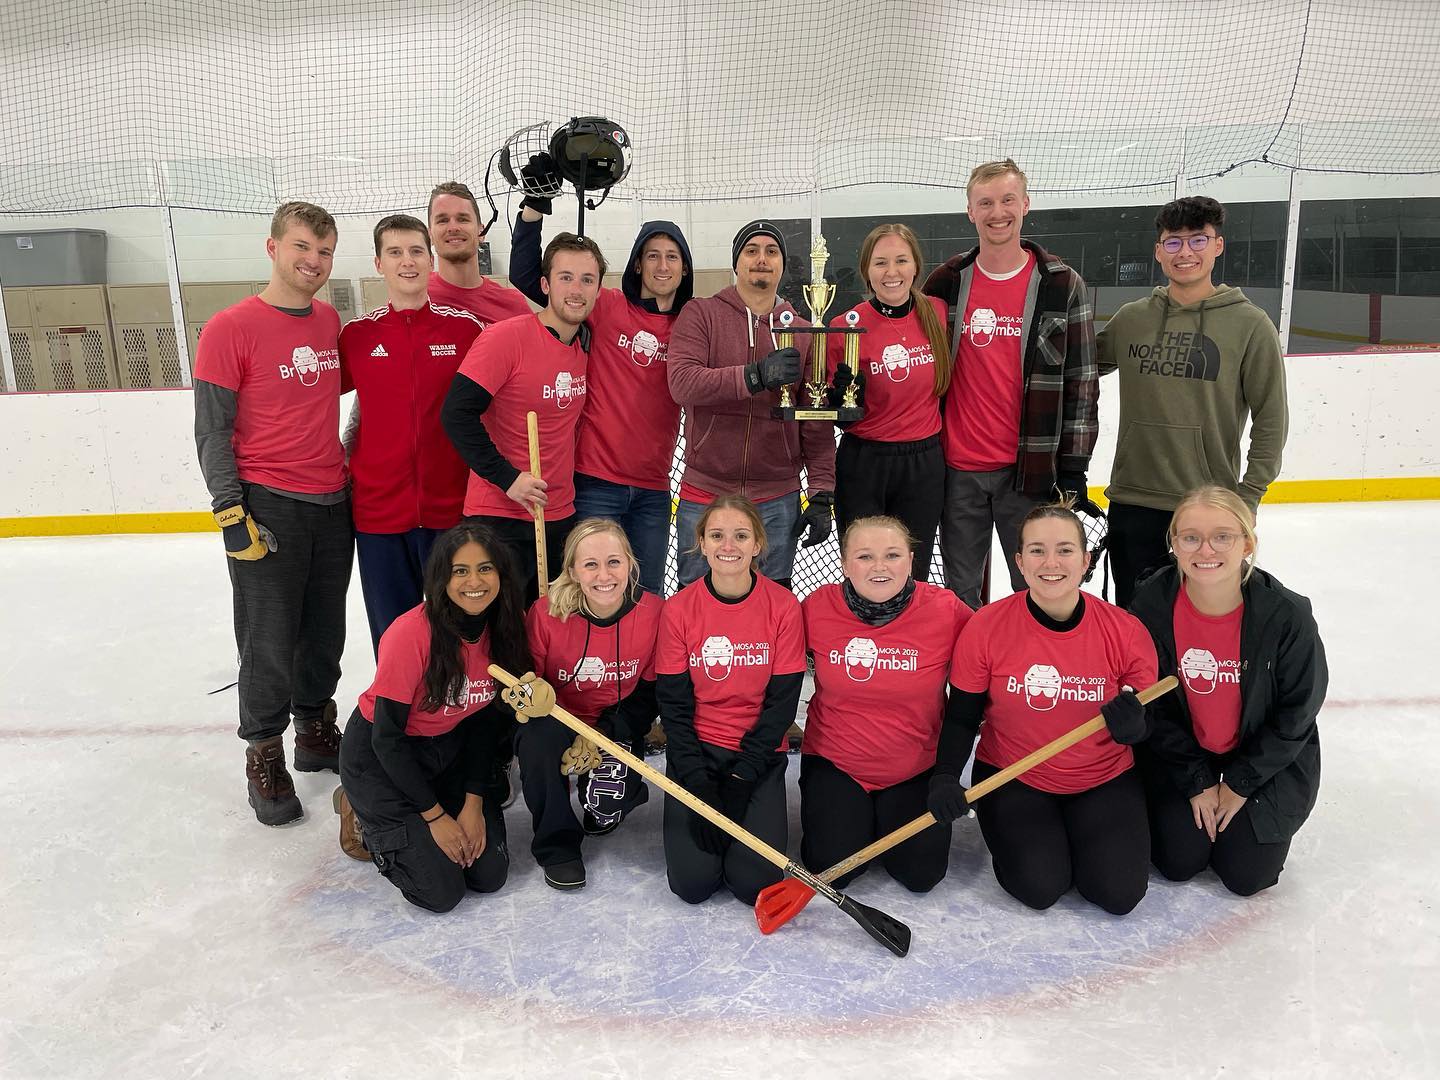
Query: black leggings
{"points": [[905, 480], [1042, 843], [1180, 850], [838, 817]]}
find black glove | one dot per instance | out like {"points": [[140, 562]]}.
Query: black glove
{"points": [[946, 798], [818, 517], [707, 837], [841, 382], [245, 538], [1075, 484], [539, 175], [735, 797], [780, 368], [1125, 717]]}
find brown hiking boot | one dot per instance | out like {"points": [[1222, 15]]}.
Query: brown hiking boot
{"points": [[272, 792], [317, 742], [352, 841], [655, 739]]}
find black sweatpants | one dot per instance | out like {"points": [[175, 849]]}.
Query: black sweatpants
{"points": [[519, 534], [290, 612], [696, 875], [1041, 843], [396, 835], [903, 479], [1138, 542], [609, 792], [1179, 850], [838, 817]]}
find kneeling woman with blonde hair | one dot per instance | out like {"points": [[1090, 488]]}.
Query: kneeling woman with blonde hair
{"points": [[882, 644], [730, 664], [1233, 767], [593, 640], [417, 752]]}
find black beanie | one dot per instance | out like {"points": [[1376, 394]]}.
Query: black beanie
{"points": [[749, 232]]}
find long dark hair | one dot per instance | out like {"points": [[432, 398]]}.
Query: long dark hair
{"points": [[445, 673]]}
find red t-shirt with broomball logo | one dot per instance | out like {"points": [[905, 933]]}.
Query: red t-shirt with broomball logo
{"points": [[730, 651], [899, 369], [285, 371], [982, 407], [1207, 652], [1043, 683], [593, 667], [880, 690], [527, 369], [400, 676]]}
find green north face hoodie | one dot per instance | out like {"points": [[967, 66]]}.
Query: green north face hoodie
{"points": [[1189, 378]]}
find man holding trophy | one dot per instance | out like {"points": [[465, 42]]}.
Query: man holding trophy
{"points": [[727, 370]]}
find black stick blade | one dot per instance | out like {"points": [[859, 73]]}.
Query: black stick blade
{"points": [[888, 931]]}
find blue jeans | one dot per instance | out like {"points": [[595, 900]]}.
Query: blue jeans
{"points": [[392, 574], [643, 513], [777, 515]]}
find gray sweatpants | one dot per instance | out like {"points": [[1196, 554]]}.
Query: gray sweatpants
{"points": [[975, 503], [290, 611]]}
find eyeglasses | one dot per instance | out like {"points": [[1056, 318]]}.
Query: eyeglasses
{"points": [[1220, 542], [1198, 242]]}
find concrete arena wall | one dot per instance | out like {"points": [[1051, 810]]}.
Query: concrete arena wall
{"points": [[1361, 427]]}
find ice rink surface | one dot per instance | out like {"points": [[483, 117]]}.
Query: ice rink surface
{"points": [[153, 929]]}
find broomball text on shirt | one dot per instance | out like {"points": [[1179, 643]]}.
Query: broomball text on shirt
{"points": [[566, 389], [644, 347], [861, 658], [1202, 673], [591, 671], [306, 364], [896, 361], [985, 326], [1044, 686], [719, 656], [478, 693]]}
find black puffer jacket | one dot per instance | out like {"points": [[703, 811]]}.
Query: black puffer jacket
{"points": [[1283, 678]]}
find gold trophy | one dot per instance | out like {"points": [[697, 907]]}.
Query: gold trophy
{"points": [[818, 295]]}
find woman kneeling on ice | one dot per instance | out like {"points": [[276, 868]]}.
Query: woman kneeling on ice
{"points": [[730, 664], [593, 640], [882, 644], [1028, 669], [416, 751], [1233, 767]]}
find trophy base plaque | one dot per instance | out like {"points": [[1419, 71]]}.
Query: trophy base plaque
{"points": [[799, 412]]}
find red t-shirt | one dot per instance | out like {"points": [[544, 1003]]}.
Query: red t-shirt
{"points": [[730, 651], [628, 429], [406, 472], [899, 369], [490, 302], [285, 371], [1207, 649], [593, 667], [527, 369], [1043, 683], [982, 408], [880, 690], [400, 676]]}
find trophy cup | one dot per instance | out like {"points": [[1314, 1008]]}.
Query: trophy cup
{"points": [[818, 294]]}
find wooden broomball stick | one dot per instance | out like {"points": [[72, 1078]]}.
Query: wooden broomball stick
{"points": [[779, 903], [531, 696], [532, 432]]}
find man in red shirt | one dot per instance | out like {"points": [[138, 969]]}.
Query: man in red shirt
{"points": [[408, 483], [626, 439], [1019, 418], [267, 421], [531, 363], [457, 281]]}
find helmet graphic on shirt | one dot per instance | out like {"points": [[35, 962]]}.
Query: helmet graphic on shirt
{"points": [[1042, 686], [563, 381], [590, 671], [716, 656], [860, 657], [1199, 670], [644, 348], [896, 359], [983, 324], [306, 365]]}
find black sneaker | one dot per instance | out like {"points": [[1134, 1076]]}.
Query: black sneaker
{"points": [[566, 875]]}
